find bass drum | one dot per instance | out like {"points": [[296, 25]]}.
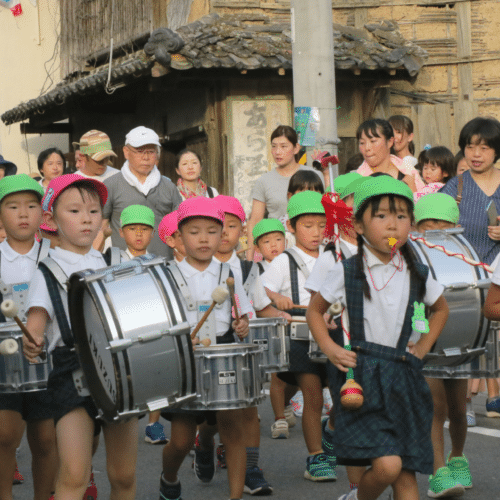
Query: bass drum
{"points": [[466, 331], [132, 338]]}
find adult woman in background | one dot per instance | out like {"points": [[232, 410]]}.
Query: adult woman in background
{"points": [[376, 138], [51, 164], [189, 184]]}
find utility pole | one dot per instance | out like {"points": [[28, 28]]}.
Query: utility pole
{"points": [[314, 68]]}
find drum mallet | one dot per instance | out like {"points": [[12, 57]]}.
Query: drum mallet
{"points": [[230, 285], [9, 310], [334, 310], [219, 295], [8, 347]]}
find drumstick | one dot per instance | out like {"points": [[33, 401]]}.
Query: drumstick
{"points": [[8, 347], [9, 310], [334, 310], [298, 321], [230, 285], [460, 256], [219, 295]]}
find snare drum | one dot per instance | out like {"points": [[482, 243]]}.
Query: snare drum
{"points": [[316, 354], [466, 331], [228, 377], [270, 335], [17, 374], [132, 338]]}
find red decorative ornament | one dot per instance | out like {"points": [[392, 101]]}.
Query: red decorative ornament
{"points": [[17, 10], [325, 161], [337, 213]]}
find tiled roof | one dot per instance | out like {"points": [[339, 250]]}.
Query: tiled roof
{"points": [[232, 42]]}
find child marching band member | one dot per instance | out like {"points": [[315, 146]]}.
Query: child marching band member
{"points": [[200, 225], [73, 206], [391, 430], [440, 211], [269, 239], [284, 282], [170, 235], [248, 273], [21, 215]]}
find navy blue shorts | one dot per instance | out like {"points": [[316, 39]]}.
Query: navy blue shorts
{"points": [[36, 405]]}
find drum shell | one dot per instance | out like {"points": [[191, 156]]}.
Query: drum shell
{"points": [[17, 374], [464, 335], [126, 303], [271, 335], [228, 376]]}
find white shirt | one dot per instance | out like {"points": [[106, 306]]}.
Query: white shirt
{"points": [[258, 296], [324, 264], [384, 314], [107, 173], [18, 268], [131, 255], [277, 277], [69, 262], [495, 276], [201, 284]]}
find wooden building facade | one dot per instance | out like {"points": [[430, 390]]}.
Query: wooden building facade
{"points": [[217, 76]]}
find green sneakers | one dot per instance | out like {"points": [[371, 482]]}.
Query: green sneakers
{"points": [[459, 468], [319, 468], [443, 484]]}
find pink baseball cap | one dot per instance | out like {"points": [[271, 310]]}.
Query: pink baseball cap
{"points": [[168, 226], [47, 229], [231, 205], [59, 184], [200, 206]]}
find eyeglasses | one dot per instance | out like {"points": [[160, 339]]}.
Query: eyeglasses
{"points": [[143, 152]]}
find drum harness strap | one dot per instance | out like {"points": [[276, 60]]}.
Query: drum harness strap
{"points": [[261, 268], [249, 271], [43, 251], [296, 263]]}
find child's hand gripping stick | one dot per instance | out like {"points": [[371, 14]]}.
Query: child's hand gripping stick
{"points": [[9, 310], [334, 310], [219, 295], [8, 347], [230, 285]]}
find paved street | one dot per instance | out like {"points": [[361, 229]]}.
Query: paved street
{"points": [[283, 463]]}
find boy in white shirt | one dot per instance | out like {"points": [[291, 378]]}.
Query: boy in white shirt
{"points": [[269, 238], [73, 206], [168, 231], [200, 223], [285, 285], [21, 215], [137, 227]]}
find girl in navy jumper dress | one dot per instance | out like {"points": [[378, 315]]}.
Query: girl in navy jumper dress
{"points": [[379, 289]]}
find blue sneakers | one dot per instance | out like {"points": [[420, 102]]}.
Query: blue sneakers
{"points": [[255, 483], [326, 443], [169, 491], [155, 434], [204, 466], [493, 407], [319, 468]]}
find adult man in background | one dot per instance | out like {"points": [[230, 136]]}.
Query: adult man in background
{"points": [[139, 182]]}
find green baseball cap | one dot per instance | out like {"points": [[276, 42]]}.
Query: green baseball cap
{"points": [[438, 206], [137, 214], [266, 226], [376, 186], [17, 183], [305, 202]]}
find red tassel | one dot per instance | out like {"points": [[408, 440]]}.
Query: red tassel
{"points": [[17, 10], [334, 159], [337, 212]]}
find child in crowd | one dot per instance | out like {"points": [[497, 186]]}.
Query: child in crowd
{"points": [[460, 163], [269, 240], [200, 223], [21, 215], [284, 282], [449, 395], [403, 139], [171, 236], [438, 167], [377, 289], [73, 206], [137, 228], [50, 234]]}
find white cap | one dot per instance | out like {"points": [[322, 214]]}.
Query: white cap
{"points": [[140, 136]]}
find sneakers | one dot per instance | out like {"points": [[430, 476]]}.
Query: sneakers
{"points": [[327, 401], [471, 418], [319, 468], [352, 495], [327, 445], [91, 491], [155, 434], [442, 484], [279, 430], [204, 466], [169, 491], [290, 417], [493, 407], [221, 456], [255, 484], [18, 477], [459, 468], [297, 404]]}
